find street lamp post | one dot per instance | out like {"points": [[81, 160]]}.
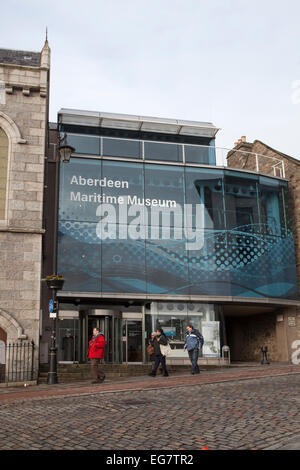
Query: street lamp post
{"points": [[56, 283], [52, 374]]}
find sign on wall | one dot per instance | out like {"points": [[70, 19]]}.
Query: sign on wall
{"points": [[211, 335]]}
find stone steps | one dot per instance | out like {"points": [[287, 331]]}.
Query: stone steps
{"points": [[78, 372]]}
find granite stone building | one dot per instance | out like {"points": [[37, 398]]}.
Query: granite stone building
{"points": [[24, 102]]}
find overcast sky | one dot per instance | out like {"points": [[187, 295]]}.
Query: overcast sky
{"points": [[235, 63]]}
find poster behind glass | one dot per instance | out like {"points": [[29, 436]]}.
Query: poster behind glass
{"points": [[109, 242]]}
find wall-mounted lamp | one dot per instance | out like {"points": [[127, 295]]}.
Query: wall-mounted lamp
{"points": [[65, 150]]}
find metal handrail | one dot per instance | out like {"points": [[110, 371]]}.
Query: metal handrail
{"points": [[218, 150]]}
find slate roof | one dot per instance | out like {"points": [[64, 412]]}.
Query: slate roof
{"points": [[10, 56]]}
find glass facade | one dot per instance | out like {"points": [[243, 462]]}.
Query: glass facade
{"points": [[142, 149], [83, 144], [196, 154], [151, 228], [163, 151], [173, 317], [122, 148]]}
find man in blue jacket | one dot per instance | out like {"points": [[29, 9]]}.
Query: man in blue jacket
{"points": [[194, 341]]}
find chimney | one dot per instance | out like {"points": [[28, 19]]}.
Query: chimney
{"points": [[239, 141]]}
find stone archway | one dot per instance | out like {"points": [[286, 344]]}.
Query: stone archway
{"points": [[11, 326], [11, 129]]}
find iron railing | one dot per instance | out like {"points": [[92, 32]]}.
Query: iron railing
{"points": [[17, 362], [202, 154]]}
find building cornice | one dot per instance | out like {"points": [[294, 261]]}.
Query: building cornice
{"points": [[185, 298], [137, 123], [23, 67], [22, 230]]}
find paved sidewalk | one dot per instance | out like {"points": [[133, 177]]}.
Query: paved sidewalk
{"points": [[36, 392], [253, 409], [292, 443]]}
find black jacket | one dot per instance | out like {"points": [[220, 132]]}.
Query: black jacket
{"points": [[163, 340]]}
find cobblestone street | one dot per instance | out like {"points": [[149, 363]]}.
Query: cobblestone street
{"points": [[257, 413]]}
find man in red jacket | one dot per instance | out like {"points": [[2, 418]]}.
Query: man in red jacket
{"points": [[95, 353]]}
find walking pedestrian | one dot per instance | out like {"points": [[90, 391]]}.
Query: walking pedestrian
{"points": [[193, 342], [159, 358], [150, 350], [95, 353]]}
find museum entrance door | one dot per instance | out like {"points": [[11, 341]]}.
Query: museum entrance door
{"points": [[110, 324]]}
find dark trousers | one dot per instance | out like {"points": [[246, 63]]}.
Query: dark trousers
{"points": [[194, 354], [97, 374], [160, 360]]}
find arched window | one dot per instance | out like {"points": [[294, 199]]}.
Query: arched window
{"points": [[3, 171]]}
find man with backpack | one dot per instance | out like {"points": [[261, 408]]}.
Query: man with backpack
{"points": [[193, 342]]}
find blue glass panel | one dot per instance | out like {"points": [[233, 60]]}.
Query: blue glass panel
{"points": [[287, 205], [242, 174], [241, 202], [205, 188], [271, 206], [128, 178], [212, 153], [162, 151], [79, 256], [123, 264], [266, 266], [127, 192], [245, 250], [122, 148], [80, 189], [164, 191], [167, 265], [89, 145], [209, 270], [198, 154]]}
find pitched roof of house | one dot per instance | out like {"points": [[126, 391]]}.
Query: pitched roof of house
{"points": [[250, 145], [11, 56], [284, 155]]}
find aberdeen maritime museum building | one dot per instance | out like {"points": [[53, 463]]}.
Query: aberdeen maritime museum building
{"points": [[150, 228]]}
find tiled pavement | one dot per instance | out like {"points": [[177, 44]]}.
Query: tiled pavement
{"points": [[255, 408]]}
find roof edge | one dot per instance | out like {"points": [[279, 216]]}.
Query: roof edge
{"points": [[289, 157], [137, 122]]}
